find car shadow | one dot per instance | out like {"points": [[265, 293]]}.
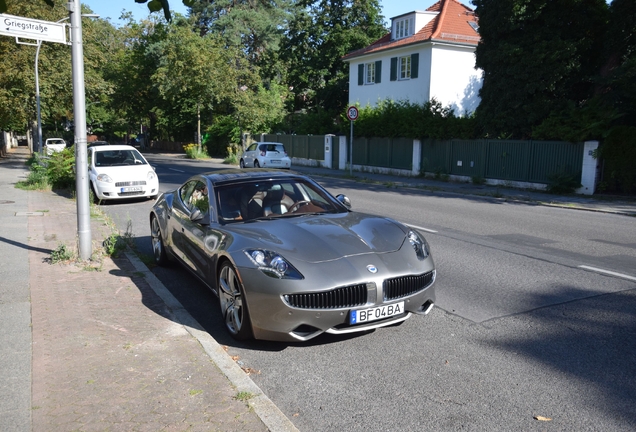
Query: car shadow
{"points": [[202, 305]]}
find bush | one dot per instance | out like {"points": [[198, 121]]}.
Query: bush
{"points": [[37, 178], [563, 182], [61, 254], [222, 134], [403, 119], [232, 155], [60, 169], [193, 151], [315, 122], [618, 153]]}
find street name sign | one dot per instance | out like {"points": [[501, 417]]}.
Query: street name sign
{"points": [[28, 28]]}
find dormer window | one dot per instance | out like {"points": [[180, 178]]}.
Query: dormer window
{"points": [[402, 28]]}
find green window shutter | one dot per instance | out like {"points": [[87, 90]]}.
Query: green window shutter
{"points": [[415, 63], [394, 61], [378, 71], [361, 74]]}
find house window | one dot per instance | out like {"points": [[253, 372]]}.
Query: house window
{"points": [[369, 69], [402, 29], [370, 73], [405, 67]]}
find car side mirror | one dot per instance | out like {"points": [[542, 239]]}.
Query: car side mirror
{"points": [[198, 217], [344, 200]]}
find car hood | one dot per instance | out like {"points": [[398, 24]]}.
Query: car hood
{"points": [[320, 238], [117, 172]]}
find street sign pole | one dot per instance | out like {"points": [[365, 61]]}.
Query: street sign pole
{"points": [[37, 97], [352, 115]]}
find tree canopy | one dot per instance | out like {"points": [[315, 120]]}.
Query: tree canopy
{"points": [[552, 69], [538, 57]]}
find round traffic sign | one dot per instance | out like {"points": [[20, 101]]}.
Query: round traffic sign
{"points": [[352, 113]]}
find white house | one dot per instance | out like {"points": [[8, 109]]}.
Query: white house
{"points": [[429, 54]]}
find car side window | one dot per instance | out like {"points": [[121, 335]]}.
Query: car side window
{"points": [[252, 147], [199, 198], [186, 192]]}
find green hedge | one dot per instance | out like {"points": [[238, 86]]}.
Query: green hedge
{"points": [[618, 152], [402, 119]]}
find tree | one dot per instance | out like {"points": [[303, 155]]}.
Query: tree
{"points": [[618, 77], [153, 5], [255, 26], [320, 33], [17, 77], [193, 72], [539, 58]]}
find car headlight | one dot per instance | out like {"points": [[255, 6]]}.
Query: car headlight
{"points": [[419, 245], [272, 264], [151, 175], [104, 178]]}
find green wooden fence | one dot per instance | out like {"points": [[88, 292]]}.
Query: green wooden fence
{"points": [[301, 146], [527, 161]]}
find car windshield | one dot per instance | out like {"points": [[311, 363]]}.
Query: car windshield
{"points": [[273, 199], [55, 141], [108, 158]]}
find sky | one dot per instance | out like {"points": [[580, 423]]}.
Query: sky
{"points": [[113, 8]]}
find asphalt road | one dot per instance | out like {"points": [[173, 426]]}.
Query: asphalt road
{"points": [[521, 330]]}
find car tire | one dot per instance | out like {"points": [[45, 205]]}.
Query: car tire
{"points": [[233, 304], [242, 164], [158, 247], [256, 164]]}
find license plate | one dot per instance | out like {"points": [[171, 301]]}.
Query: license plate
{"points": [[132, 189], [275, 161], [375, 313]]}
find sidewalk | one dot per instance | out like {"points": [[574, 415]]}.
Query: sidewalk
{"points": [[103, 346]]}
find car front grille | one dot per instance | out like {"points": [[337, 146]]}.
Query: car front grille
{"points": [[344, 297], [124, 194], [131, 183], [406, 285]]}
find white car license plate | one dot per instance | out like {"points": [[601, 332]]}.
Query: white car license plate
{"points": [[275, 161], [132, 189], [375, 313]]}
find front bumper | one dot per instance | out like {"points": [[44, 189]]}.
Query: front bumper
{"points": [[273, 318], [110, 191]]}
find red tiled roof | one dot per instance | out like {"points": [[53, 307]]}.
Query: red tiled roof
{"points": [[451, 25]]}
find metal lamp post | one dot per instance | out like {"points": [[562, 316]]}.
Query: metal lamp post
{"points": [[79, 112]]}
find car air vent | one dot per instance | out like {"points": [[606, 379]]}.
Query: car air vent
{"points": [[131, 183], [406, 285], [344, 297]]}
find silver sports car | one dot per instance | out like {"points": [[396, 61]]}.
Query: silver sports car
{"points": [[287, 260]]}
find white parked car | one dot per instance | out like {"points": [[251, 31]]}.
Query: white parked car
{"points": [[265, 155], [54, 145], [120, 171]]}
